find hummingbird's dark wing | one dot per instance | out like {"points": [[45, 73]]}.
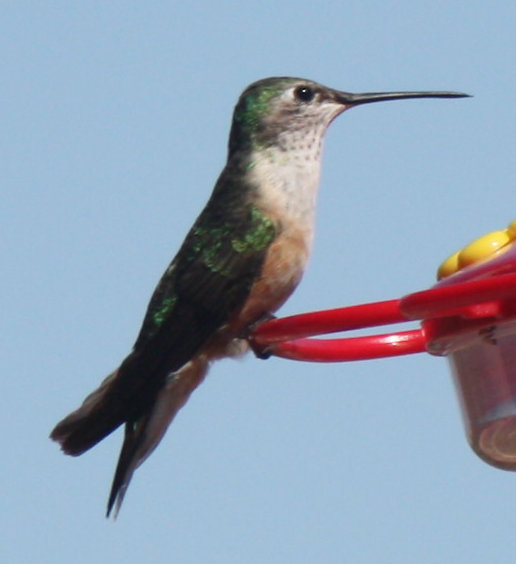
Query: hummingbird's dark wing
{"points": [[209, 279], [207, 282]]}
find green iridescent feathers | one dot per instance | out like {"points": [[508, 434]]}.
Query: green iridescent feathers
{"points": [[214, 269], [253, 107], [210, 243]]}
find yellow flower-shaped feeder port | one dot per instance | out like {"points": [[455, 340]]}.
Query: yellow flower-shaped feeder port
{"points": [[484, 248]]}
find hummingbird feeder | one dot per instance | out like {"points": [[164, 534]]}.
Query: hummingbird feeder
{"points": [[469, 316]]}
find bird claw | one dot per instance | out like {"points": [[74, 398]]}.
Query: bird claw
{"points": [[260, 351]]}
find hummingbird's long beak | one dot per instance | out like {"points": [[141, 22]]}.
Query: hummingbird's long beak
{"points": [[350, 99]]}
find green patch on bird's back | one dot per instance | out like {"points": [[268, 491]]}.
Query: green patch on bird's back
{"points": [[210, 244], [258, 236], [163, 311], [215, 245]]}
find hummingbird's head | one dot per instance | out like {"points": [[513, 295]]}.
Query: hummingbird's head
{"points": [[280, 111], [273, 110]]}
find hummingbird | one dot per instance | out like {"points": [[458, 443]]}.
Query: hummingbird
{"points": [[241, 260]]}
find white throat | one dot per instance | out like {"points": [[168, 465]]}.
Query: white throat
{"points": [[288, 181]]}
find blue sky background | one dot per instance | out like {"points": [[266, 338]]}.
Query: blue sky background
{"points": [[115, 118]]}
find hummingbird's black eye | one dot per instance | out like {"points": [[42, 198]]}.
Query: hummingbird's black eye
{"points": [[304, 93]]}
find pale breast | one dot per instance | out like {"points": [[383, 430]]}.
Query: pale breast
{"points": [[286, 189]]}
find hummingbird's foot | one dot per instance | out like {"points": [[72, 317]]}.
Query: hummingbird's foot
{"points": [[260, 351]]}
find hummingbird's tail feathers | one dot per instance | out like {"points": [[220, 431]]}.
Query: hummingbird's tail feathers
{"points": [[143, 435], [94, 420]]}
